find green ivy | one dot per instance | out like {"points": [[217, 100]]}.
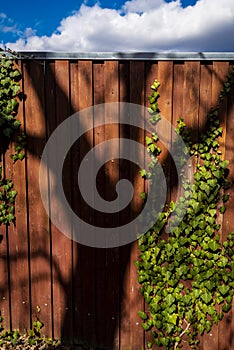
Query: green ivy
{"points": [[32, 339], [187, 276], [9, 131]]}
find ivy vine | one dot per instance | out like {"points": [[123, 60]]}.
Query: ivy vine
{"points": [[187, 276], [9, 131]]}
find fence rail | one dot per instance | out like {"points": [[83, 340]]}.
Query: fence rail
{"points": [[90, 296]]}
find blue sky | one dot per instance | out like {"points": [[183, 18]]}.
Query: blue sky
{"points": [[133, 25]]}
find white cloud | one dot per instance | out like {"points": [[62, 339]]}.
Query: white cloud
{"points": [[149, 25], [142, 6]]}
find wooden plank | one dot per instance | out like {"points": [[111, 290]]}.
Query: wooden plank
{"points": [[75, 204], [177, 112], [84, 257], [50, 112], [99, 136], [165, 77], [124, 251], [218, 76], [204, 108], [18, 239], [136, 301], [191, 96], [112, 220], [205, 102], [38, 219], [226, 326], [178, 82], [220, 72], [191, 108], [151, 74], [87, 255], [61, 244]]}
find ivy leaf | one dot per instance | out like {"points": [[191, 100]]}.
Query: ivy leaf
{"points": [[226, 307], [15, 89], [143, 173], [208, 326], [206, 297], [204, 187], [222, 209], [146, 326], [214, 246], [169, 327], [200, 328], [148, 140], [210, 285], [142, 315], [223, 289], [224, 164], [225, 198], [211, 310], [170, 299]]}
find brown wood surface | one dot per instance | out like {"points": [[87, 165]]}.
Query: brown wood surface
{"points": [[39, 236], [112, 220], [18, 240], [84, 269], [219, 74], [90, 296], [226, 327], [136, 303], [177, 112], [124, 251], [61, 244]]}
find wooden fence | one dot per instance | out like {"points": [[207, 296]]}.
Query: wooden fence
{"points": [[89, 296]]}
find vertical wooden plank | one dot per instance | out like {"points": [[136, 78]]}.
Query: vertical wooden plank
{"points": [[18, 239], [50, 112], [177, 112], [136, 302], [178, 82], [61, 244], [191, 107], [75, 204], [205, 102], [87, 255], [124, 251], [37, 218], [112, 220], [99, 136], [226, 327], [165, 77], [191, 96], [218, 75], [204, 108], [151, 74]]}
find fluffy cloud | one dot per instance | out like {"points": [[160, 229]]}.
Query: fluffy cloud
{"points": [[150, 25]]}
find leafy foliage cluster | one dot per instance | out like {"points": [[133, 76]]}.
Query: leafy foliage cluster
{"points": [[9, 126], [32, 339], [187, 276]]}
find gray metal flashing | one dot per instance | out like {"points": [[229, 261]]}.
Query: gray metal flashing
{"points": [[135, 56]]}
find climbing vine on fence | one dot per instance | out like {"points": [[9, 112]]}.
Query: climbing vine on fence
{"points": [[9, 132], [187, 275]]}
